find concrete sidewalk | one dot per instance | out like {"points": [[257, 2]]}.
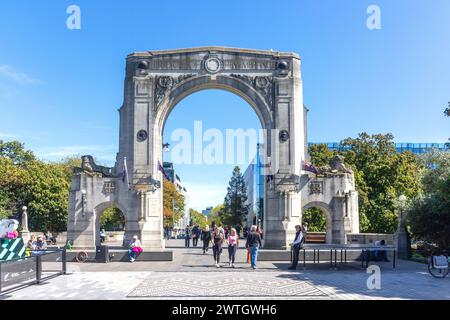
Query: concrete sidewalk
{"points": [[192, 275]]}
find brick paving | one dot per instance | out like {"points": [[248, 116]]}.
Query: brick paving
{"points": [[192, 276]]}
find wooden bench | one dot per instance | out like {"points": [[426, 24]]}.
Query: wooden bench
{"points": [[315, 237]]}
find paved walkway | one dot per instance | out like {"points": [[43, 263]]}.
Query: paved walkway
{"points": [[192, 275]]}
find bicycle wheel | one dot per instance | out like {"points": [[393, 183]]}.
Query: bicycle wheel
{"points": [[81, 256], [437, 272]]}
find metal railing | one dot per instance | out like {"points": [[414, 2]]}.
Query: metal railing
{"points": [[38, 267]]}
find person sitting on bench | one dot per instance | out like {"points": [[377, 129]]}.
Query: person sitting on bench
{"points": [[380, 255], [296, 246]]}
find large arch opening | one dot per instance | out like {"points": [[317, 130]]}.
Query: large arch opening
{"points": [[110, 224], [318, 215], [210, 130]]}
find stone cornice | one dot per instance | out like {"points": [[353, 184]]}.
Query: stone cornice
{"points": [[269, 53]]}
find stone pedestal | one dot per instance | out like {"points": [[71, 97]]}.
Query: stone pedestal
{"points": [[403, 244]]}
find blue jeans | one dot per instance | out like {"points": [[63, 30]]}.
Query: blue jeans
{"points": [[253, 255], [131, 254]]}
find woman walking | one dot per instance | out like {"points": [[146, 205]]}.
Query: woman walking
{"points": [[206, 237], [233, 244], [217, 241], [253, 244]]}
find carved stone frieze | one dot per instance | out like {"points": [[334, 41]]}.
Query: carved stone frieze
{"points": [[165, 83], [263, 84]]}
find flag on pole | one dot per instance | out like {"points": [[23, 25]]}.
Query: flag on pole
{"points": [[308, 166], [125, 177], [160, 167]]}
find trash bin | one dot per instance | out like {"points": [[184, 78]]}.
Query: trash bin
{"points": [[102, 254]]}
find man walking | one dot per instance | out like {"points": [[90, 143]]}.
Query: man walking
{"points": [[296, 246], [195, 235]]}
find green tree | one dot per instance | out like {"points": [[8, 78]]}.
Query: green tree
{"points": [[381, 176], [216, 215], [42, 187], [46, 195], [173, 202], [197, 218], [235, 207], [15, 151], [112, 219], [320, 154], [429, 213], [316, 219]]}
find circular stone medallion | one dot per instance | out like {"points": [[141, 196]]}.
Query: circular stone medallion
{"points": [[213, 65], [142, 135]]}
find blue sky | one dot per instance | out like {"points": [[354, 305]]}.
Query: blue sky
{"points": [[60, 89]]}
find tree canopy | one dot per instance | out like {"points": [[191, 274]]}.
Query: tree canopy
{"points": [[42, 187], [381, 175], [173, 202], [428, 215]]}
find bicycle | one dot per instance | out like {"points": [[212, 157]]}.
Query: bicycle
{"points": [[80, 256], [438, 266]]}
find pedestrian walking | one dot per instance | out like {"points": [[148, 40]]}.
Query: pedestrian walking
{"points": [[253, 244], [206, 238], [296, 246], [167, 230], [187, 236], [217, 241], [233, 245], [195, 235]]}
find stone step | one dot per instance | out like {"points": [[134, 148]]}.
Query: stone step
{"points": [[122, 255]]}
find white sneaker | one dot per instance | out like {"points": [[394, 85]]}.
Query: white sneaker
{"points": [[132, 260], [232, 265], [217, 265], [229, 263]]}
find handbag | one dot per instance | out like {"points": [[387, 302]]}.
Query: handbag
{"points": [[137, 250]]}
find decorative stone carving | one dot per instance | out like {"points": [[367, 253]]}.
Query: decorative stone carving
{"points": [[337, 163], [142, 135], [165, 83], [109, 187], [263, 84], [282, 68], [316, 187], [336, 166], [89, 167], [213, 64], [284, 136]]}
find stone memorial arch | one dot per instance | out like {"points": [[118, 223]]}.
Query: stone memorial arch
{"points": [[155, 82]]}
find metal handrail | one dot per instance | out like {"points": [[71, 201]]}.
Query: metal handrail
{"points": [[39, 269]]}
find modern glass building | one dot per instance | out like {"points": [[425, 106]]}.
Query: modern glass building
{"points": [[254, 180], [416, 148]]}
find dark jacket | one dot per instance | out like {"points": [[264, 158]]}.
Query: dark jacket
{"points": [[187, 233], [206, 236], [253, 239], [218, 239]]}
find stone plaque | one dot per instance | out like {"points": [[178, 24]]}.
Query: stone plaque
{"points": [[316, 187], [109, 187]]}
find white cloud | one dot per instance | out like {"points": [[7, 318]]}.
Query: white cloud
{"points": [[22, 78], [104, 153], [205, 195], [8, 135]]}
